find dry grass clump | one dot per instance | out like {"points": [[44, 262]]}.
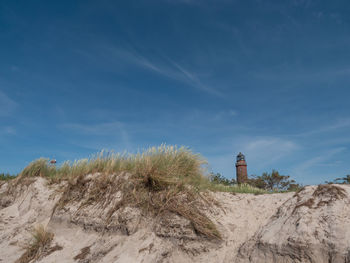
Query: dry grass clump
{"points": [[328, 193], [83, 253], [41, 241], [186, 206], [333, 192], [37, 168], [308, 203]]}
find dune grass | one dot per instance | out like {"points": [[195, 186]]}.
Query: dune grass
{"points": [[41, 240], [158, 180], [159, 167], [169, 163]]}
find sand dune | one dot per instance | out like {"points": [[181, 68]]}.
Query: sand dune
{"points": [[310, 226]]}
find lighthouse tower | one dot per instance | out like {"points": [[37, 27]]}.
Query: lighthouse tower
{"points": [[241, 169]]}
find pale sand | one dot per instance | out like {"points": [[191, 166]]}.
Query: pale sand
{"points": [[252, 230]]}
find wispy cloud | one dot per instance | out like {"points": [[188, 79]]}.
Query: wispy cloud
{"points": [[194, 81], [319, 160], [337, 125], [262, 153], [163, 66], [7, 105], [266, 151], [8, 130], [109, 129]]}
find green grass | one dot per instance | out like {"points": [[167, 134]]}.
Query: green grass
{"points": [[242, 189], [6, 177], [158, 180]]}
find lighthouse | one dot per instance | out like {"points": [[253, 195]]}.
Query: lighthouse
{"points": [[241, 169]]}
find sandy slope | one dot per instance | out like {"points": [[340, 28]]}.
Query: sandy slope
{"points": [[312, 226], [255, 228]]}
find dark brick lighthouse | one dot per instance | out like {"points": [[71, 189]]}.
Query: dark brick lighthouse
{"points": [[241, 169]]}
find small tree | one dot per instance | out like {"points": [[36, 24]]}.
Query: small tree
{"points": [[343, 180], [274, 181], [257, 181], [6, 177], [219, 179]]}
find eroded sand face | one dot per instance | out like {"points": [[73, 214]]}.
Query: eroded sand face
{"points": [[312, 226], [254, 228]]}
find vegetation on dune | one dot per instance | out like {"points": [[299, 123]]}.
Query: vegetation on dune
{"points": [[38, 246], [158, 168], [237, 188], [217, 178], [341, 180], [274, 181], [170, 163], [266, 183], [6, 177], [344, 180], [332, 191], [222, 184], [326, 193], [159, 180]]}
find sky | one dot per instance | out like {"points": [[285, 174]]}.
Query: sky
{"points": [[266, 78]]}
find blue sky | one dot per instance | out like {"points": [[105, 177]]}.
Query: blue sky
{"points": [[268, 78]]}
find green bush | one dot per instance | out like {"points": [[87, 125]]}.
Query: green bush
{"points": [[343, 180], [274, 181], [217, 178], [6, 177]]}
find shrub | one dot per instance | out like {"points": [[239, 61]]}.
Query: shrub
{"points": [[219, 179], [6, 177], [274, 181], [343, 180]]}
